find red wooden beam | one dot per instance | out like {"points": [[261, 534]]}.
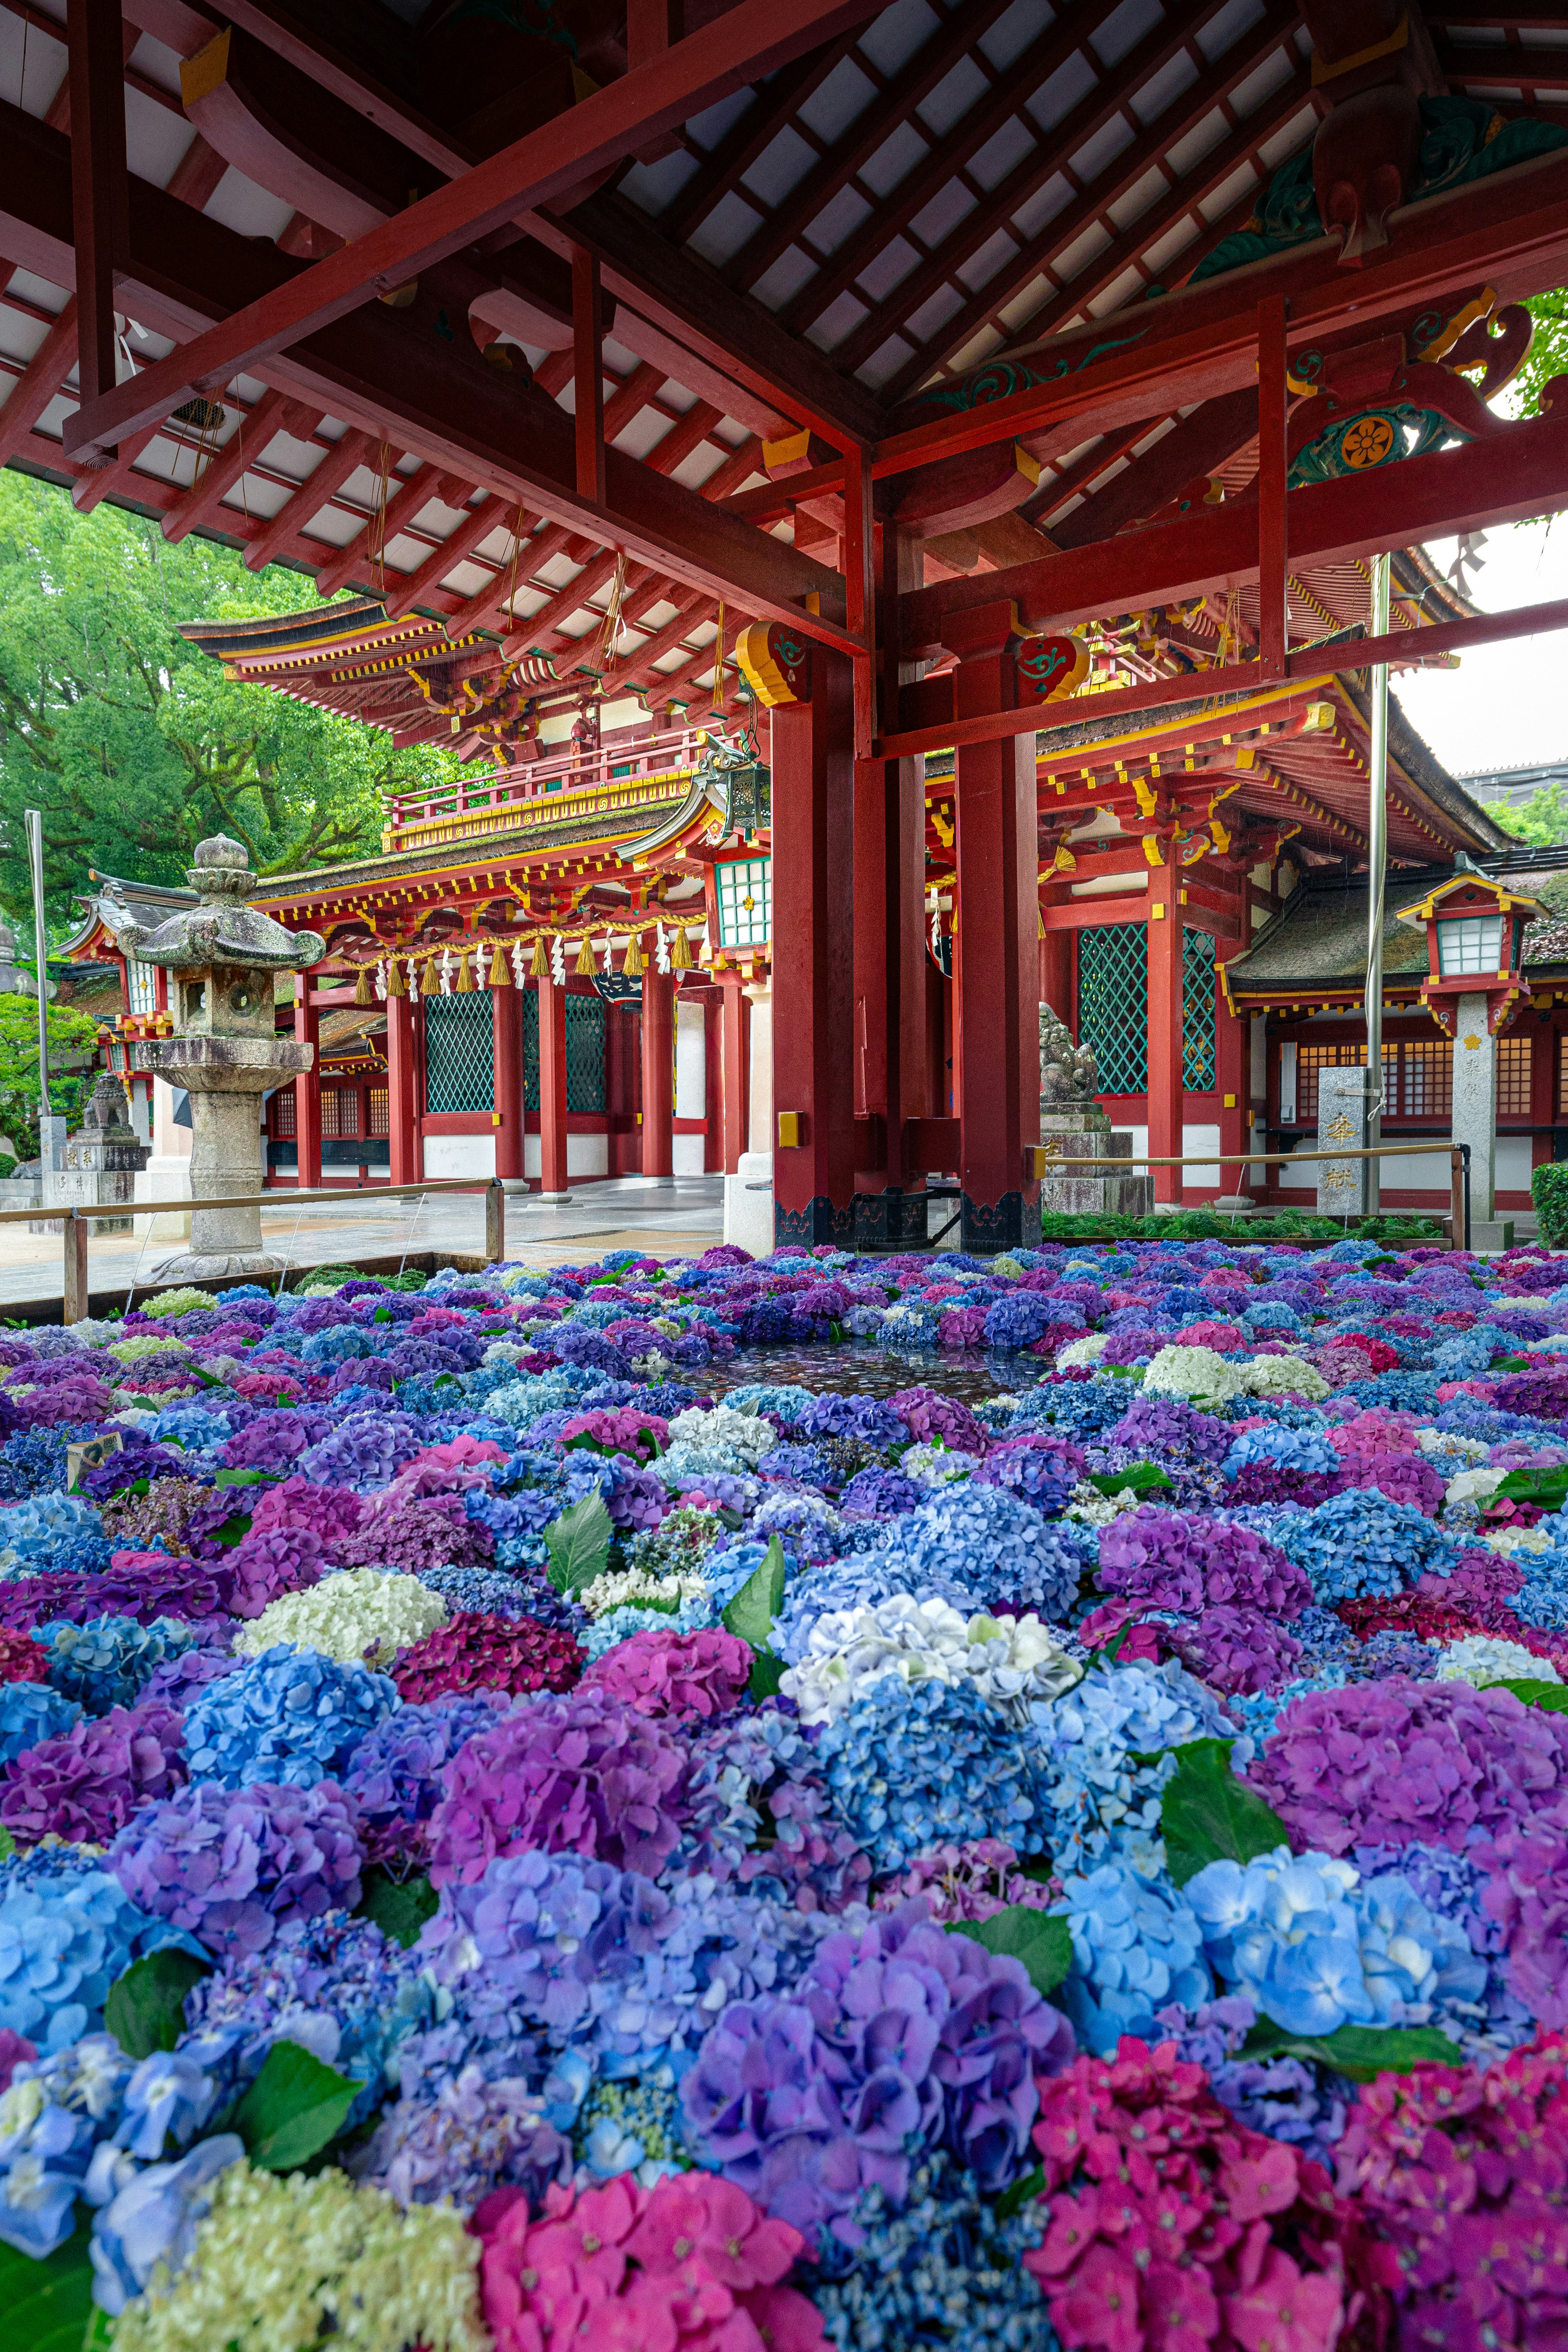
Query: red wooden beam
{"points": [[271, 415], [316, 491], [98, 186], [42, 376], [406, 590], [588, 349], [741, 47], [1273, 612]]}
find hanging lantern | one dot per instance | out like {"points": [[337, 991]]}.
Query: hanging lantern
{"points": [[583, 967], [396, 983], [498, 967], [361, 986], [540, 968], [632, 966], [680, 952]]}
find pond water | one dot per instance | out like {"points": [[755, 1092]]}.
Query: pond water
{"points": [[859, 1367]]}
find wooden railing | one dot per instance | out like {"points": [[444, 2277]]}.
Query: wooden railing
{"points": [[657, 769]]}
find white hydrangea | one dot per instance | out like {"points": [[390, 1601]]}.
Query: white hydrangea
{"points": [[632, 1588], [1009, 1661], [361, 1616], [723, 1429], [1078, 1354], [1446, 1446], [1199, 1374], [1482, 1658], [937, 1465], [1282, 1376], [1512, 1540], [507, 1351], [1468, 1484], [1098, 1510]]}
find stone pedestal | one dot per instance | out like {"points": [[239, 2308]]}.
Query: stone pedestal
{"points": [[1085, 1132], [1342, 1123], [1475, 1103], [226, 1078], [100, 1164]]}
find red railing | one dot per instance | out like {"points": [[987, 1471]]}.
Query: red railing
{"points": [[475, 803]]}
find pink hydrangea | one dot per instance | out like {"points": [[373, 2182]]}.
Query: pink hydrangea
{"points": [[583, 1774], [1172, 2225], [1459, 2176], [679, 1675], [298, 1504], [623, 1430], [690, 2265], [85, 1784], [22, 1660], [473, 1651]]}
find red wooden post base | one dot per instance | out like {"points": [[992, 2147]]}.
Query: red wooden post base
{"points": [[552, 1090], [308, 1084], [1165, 1027], [659, 1073], [506, 1012]]}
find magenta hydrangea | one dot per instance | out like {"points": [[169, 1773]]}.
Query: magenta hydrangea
{"points": [[231, 1865], [267, 1562], [1175, 1559], [87, 1783], [679, 1675], [433, 1533], [581, 1773], [1397, 1762], [473, 1651], [300, 1506], [927, 1415], [1236, 1651]]}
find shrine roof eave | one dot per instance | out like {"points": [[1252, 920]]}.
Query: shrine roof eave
{"points": [[478, 856]]}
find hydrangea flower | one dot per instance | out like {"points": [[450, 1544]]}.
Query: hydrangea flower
{"points": [[85, 1783], [1137, 1945], [30, 1713], [1006, 1660], [684, 1675], [579, 1773], [230, 1865], [916, 1765], [1003, 1551], [104, 1662], [65, 1935], [288, 1714]]}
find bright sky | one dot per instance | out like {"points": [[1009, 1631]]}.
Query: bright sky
{"points": [[1505, 705]]}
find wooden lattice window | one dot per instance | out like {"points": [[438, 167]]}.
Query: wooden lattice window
{"points": [[283, 1112], [380, 1111], [1513, 1071]]}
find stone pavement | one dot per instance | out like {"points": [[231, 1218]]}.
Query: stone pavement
{"points": [[675, 1219]]}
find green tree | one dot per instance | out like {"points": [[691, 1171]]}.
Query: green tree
{"points": [[73, 1040], [134, 745], [1543, 819], [1548, 349]]}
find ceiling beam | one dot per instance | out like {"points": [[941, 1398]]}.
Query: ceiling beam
{"points": [[742, 46]]}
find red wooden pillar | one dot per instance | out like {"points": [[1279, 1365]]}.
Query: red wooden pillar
{"points": [[658, 1075], [308, 1084], [1231, 1053], [735, 1054], [997, 963], [1055, 974], [402, 1140], [506, 1013], [551, 1089], [1164, 937], [713, 1085], [813, 969]]}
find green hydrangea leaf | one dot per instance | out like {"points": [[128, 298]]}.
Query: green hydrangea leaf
{"points": [[293, 2109], [1552, 1696], [1013, 2201], [49, 2304], [1139, 1476], [751, 1612], [1361, 2051], [398, 1907], [1546, 1489], [145, 2010], [1038, 1939], [578, 1543], [1208, 1815], [767, 1673]]}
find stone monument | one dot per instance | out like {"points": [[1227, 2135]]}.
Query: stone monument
{"points": [[100, 1164], [1341, 1125], [221, 955], [1073, 1127]]}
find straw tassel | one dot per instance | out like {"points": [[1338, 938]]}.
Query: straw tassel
{"points": [[363, 994], [680, 950], [631, 967], [465, 974], [498, 975], [583, 967], [396, 983], [540, 968]]}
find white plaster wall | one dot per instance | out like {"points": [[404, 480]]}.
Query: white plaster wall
{"points": [[586, 1155], [691, 1064], [1513, 1163], [687, 1154], [1203, 1136], [451, 1156]]}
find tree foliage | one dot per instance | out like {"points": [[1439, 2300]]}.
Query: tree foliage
{"points": [[134, 745], [73, 1037], [1543, 819], [1548, 351]]}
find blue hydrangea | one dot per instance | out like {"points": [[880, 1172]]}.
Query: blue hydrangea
{"points": [[1360, 1543], [1078, 1408], [66, 1933], [196, 1427], [1542, 1599], [104, 1662], [34, 1532], [49, 2134], [1100, 1800], [1000, 1547], [1271, 1314], [1137, 1946], [1314, 1946], [917, 1765], [858, 1583], [1467, 1355], [1287, 1449], [31, 1711], [694, 1614], [936, 2265], [290, 1715]]}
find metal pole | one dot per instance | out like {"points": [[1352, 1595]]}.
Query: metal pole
{"points": [[34, 821], [1376, 879]]}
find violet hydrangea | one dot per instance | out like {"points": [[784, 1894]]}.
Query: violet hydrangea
{"points": [[230, 1866]]}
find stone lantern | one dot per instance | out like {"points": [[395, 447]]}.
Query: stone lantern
{"points": [[221, 955]]}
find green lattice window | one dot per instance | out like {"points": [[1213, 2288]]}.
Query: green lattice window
{"points": [[1113, 1005], [460, 1053], [584, 1051], [1198, 1010]]}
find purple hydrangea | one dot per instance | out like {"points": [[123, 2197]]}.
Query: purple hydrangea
{"points": [[578, 1772], [296, 1507], [898, 2038], [230, 1866], [273, 1440], [1170, 1559], [1526, 1894], [1160, 1428], [927, 1415], [397, 1775], [365, 1451], [267, 1562], [1239, 1650], [88, 1782]]}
